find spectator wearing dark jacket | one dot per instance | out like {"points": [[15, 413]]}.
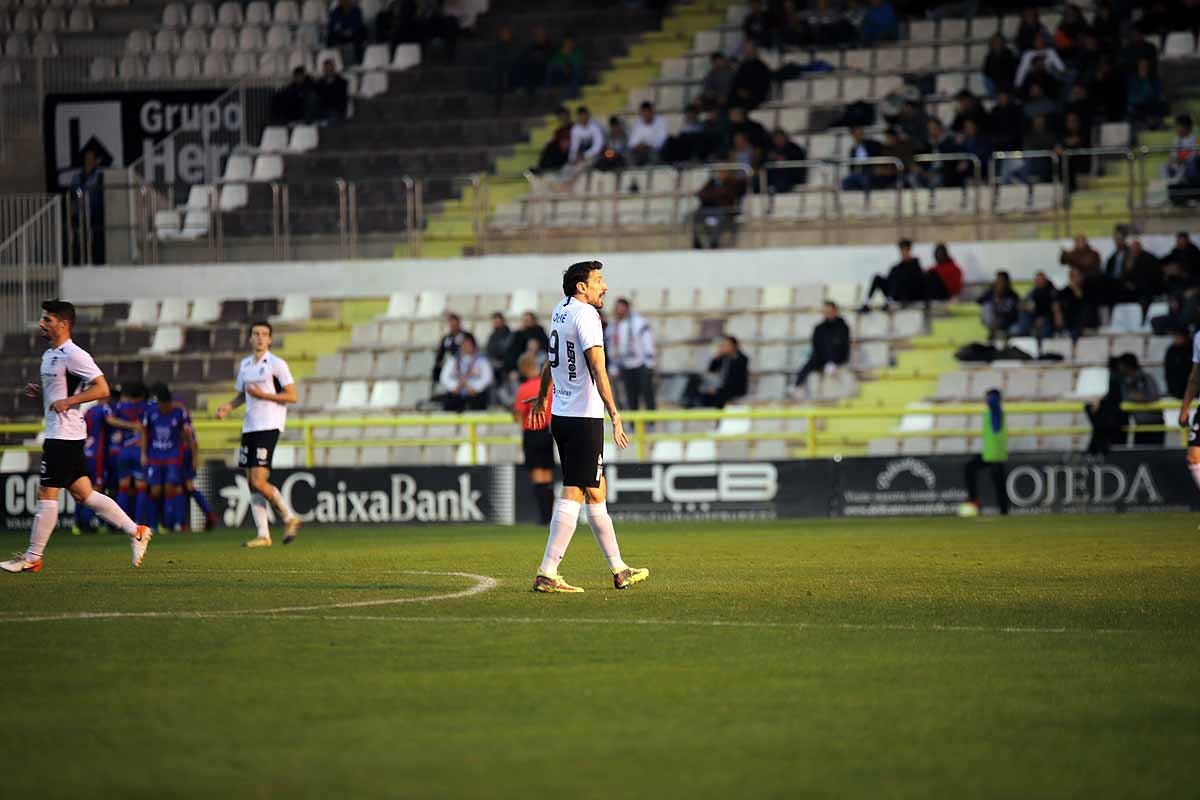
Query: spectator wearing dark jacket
{"points": [[968, 108], [880, 23], [752, 81], [346, 30], [1181, 266], [498, 341], [728, 378], [1006, 122], [830, 344], [1037, 309], [941, 173], [1076, 310], [782, 148], [720, 204], [449, 345], [1177, 363], [861, 177], [296, 102], [1139, 386], [332, 93], [1000, 65], [1142, 281], [519, 344], [719, 80], [1000, 307], [905, 281]]}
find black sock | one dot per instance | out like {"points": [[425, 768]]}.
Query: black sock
{"points": [[544, 493]]}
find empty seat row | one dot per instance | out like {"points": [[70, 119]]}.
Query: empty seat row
{"points": [[41, 45], [250, 38], [258, 12], [364, 364], [961, 445], [34, 4], [51, 20]]}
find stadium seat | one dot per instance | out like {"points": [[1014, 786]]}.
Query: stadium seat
{"points": [[205, 310], [80, 21], [14, 462], [1055, 383], [1092, 349], [430, 304], [406, 56], [173, 311], [243, 64], [279, 37], [667, 450], [304, 138], [1121, 345], [951, 386], [844, 294], [167, 339], [352, 395], [1126, 318], [102, 68], [187, 66], [312, 12], [174, 16], [158, 66], [138, 42], [142, 311], [258, 12], [195, 40], [1179, 44], [202, 15], [274, 139], [44, 45], [373, 84], [267, 168], [214, 66], [883, 447], [296, 308], [272, 65], [1156, 348], [287, 12], [462, 454], [522, 300], [131, 67], [251, 38], [230, 14], [166, 41], [1092, 382], [700, 450]]}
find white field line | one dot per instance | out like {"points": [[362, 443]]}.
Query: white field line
{"points": [[481, 583]]}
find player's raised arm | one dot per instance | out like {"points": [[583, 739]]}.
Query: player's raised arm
{"points": [[596, 363]]}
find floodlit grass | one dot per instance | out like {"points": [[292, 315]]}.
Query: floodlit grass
{"points": [[1031, 657]]}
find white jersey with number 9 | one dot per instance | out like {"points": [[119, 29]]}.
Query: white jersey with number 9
{"points": [[574, 329]]}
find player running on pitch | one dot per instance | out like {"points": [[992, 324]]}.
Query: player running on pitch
{"points": [[581, 395], [265, 384], [70, 378]]}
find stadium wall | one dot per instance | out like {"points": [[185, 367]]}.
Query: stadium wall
{"points": [[773, 267]]}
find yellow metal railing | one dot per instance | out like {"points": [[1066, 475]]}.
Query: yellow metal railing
{"points": [[221, 436]]}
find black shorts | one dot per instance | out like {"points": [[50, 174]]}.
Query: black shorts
{"points": [[63, 462], [539, 449], [580, 443], [1194, 429], [258, 448]]}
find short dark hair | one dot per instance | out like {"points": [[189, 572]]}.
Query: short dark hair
{"points": [[1184, 120], [905, 244], [135, 389], [583, 110], [562, 110], [832, 304], [733, 341], [1128, 360], [624, 300], [499, 314], [578, 273], [161, 392], [453, 316], [62, 309], [262, 323], [646, 104], [470, 337]]}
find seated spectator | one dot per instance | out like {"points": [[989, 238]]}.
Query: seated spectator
{"points": [[1068, 37], [1040, 74], [1039, 104], [715, 136], [1076, 307], [431, 23], [1183, 148], [1181, 266], [1032, 169], [901, 148], [1030, 28], [752, 82], [782, 148], [860, 178], [1138, 49], [566, 66], [1146, 103], [498, 342], [830, 25], [904, 284], [1082, 256], [296, 102], [449, 344], [999, 66], [689, 143], [914, 124], [937, 174], [720, 204], [1177, 363], [466, 379], [1043, 52], [758, 26], [556, 154], [880, 24], [1185, 190], [1037, 309], [1000, 307], [587, 139], [944, 280], [792, 27], [529, 71], [648, 136], [346, 31], [745, 154], [830, 347], [333, 93], [728, 378], [739, 121], [1074, 137], [1106, 27], [1142, 280], [1006, 123], [1107, 91], [1080, 104], [975, 143], [719, 80], [1139, 386], [968, 108], [1114, 266], [616, 147], [530, 337]]}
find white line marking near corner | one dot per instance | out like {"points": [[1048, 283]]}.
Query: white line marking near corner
{"points": [[481, 584]]}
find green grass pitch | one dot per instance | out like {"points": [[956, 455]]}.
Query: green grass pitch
{"points": [[1029, 657]]}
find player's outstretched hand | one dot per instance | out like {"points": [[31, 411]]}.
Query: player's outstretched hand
{"points": [[619, 434], [223, 411], [32, 390]]}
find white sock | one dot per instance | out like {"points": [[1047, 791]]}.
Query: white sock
{"points": [[258, 510], [108, 510], [282, 504], [43, 526], [562, 528], [1195, 470], [606, 536]]}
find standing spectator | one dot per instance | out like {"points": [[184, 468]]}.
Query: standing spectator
{"points": [[944, 280], [1139, 49], [905, 281], [345, 30], [1030, 28], [720, 204], [449, 345], [1183, 148], [1114, 267], [1139, 386], [332, 93], [830, 347], [566, 66], [782, 148], [880, 24], [1177, 363], [752, 81], [466, 378], [1107, 91], [87, 219], [719, 80], [1147, 104], [1082, 256], [633, 355], [530, 331], [1075, 137], [1037, 309], [727, 379], [536, 442], [1000, 307], [648, 136], [993, 457], [498, 342], [861, 148], [1076, 311], [529, 71], [587, 139], [999, 66]]}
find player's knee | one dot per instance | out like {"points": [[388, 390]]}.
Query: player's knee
{"points": [[259, 484], [1193, 455]]}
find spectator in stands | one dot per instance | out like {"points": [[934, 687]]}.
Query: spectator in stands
{"points": [[332, 93], [968, 108], [529, 71], [296, 102], [1107, 91], [566, 67], [1106, 27], [719, 80], [999, 66], [634, 355], [1074, 137], [901, 148], [914, 123], [1107, 418], [755, 132], [1032, 169], [728, 378], [432, 24], [759, 26], [1037, 309], [1142, 280], [530, 331], [87, 207], [715, 137], [752, 81], [1076, 310], [880, 23], [615, 154], [1139, 49], [1041, 67], [792, 27], [993, 457], [1000, 307], [688, 143], [1068, 38], [498, 342], [556, 154], [975, 143], [1080, 104], [944, 280], [1177, 363], [1183, 148], [1114, 266], [1144, 94], [830, 24], [1183, 262], [830, 348], [466, 379], [940, 173], [720, 205], [1030, 28], [1139, 386], [746, 155], [1038, 104], [587, 139], [904, 284], [346, 30], [449, 345], [782, 148], [1082, 256], [861, 177], [648, 136], [1006, 123]]}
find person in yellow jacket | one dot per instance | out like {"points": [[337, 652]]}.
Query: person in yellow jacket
{"points": [[993, 458]]}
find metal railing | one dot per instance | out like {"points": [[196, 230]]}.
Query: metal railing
{"points": [[31, 260]]}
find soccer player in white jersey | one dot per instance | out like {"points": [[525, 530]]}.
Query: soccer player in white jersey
{"points": [[582, 393], [70, 378], [265, 384], [1186, 418]]}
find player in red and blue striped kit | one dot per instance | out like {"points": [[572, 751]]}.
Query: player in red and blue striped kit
{"points": [[168, 427]]}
